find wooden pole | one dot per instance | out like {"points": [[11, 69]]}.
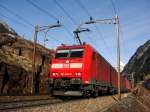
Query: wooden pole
{"points": [[33, 60]]}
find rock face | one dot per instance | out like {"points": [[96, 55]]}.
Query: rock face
{"points": [[4, 28], [137, 101], [139, 64], [16, 66]]}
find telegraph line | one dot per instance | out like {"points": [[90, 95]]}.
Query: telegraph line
{"points": [[16, 15]]}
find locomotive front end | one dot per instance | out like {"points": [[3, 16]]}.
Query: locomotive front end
{"points": [[66, 71]]}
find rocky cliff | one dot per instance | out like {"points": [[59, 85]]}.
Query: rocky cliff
{"points": [[5, 28], [16, 64], [137, 101], [139, 64]]}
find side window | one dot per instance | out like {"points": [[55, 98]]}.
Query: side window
{"points": [[94, 56]]}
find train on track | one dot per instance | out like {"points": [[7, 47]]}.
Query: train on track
{"points": [[79, 70]]}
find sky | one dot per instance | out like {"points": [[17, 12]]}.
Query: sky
{"points": [[134, 17]]}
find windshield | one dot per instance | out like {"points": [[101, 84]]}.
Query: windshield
{"points": [[73, 53], [76, 53], [62, 54]]}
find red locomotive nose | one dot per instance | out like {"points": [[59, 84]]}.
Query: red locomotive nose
{"points": [[68, 63]]}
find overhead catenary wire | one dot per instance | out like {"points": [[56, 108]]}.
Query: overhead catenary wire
{"points": [[55, 39], [98, 30], [83, 8], [42, 10], [67, 30], [113, 6], [66, 13], [87, 12], [17, 16], [102, 37], [47, 13], [118, 50], [12, 19], [115, 11], [21, 18]]}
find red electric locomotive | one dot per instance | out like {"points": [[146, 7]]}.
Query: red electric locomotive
{"points": [[80, 70]]}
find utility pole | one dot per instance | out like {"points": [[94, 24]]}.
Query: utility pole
{"points": [[116, 22], [33, 59], [38, 29], [118, 55]]}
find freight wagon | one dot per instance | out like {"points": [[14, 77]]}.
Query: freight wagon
{"points": [[80, 70]]}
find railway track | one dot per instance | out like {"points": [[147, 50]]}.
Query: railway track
{"points": [[44, 102], [30, 103]]}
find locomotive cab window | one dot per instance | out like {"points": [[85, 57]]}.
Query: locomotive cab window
{"points": [[62, 54], [76, 53], [94, 56]]}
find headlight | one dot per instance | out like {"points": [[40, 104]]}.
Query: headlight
{"points": [[55, 74], [77, 73]]}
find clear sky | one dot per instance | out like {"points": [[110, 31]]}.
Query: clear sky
{"points": [[23, 15]]}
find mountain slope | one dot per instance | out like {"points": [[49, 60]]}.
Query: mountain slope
{"points": [[139, 64]]}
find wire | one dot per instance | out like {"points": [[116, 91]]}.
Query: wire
{"points": [[67, 30], [47, 13], [83, 8], [55, 39], [98, 30], [17, 16], [88, 13], [115, 12], [67, 14], [4, 16], [101, 35], [113, 6], [42, 10]]}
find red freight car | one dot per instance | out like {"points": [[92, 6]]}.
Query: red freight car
{"points": [[81, 70]]}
